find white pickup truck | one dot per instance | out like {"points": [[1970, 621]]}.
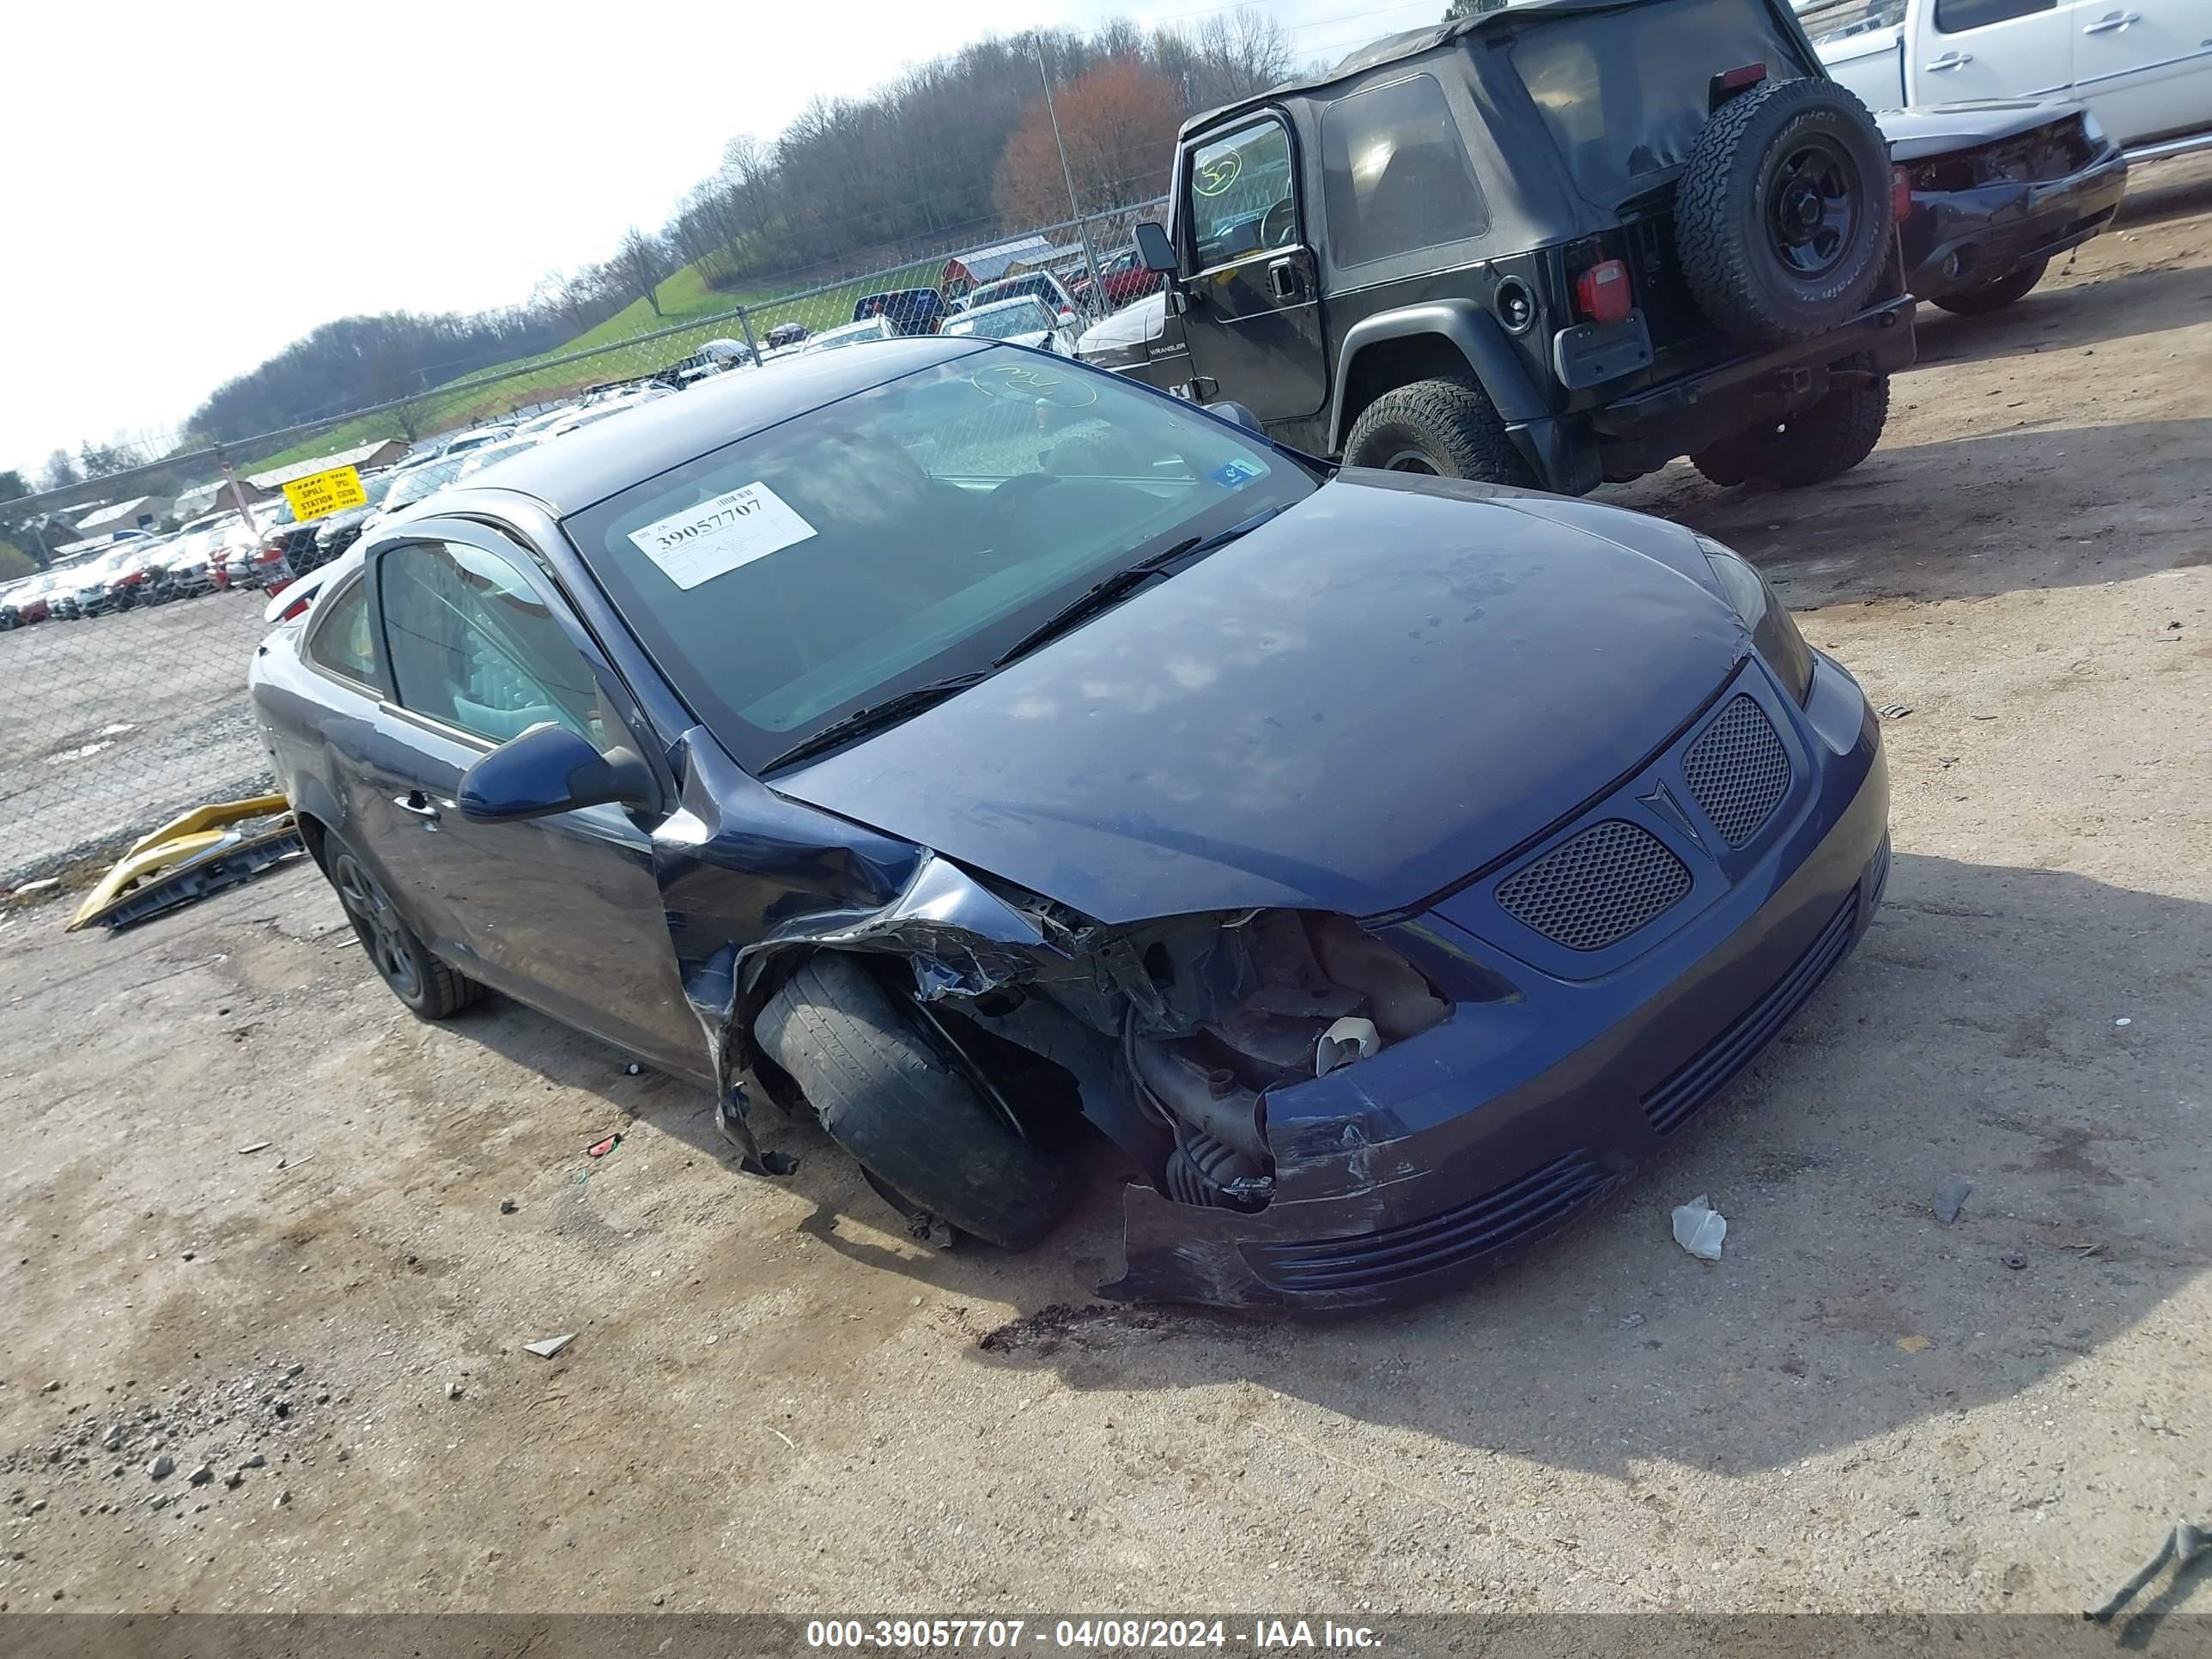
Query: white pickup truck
{"points": [[2143, 67]]}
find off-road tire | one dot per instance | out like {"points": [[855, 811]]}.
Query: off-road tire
{"points": [[1822, 441], [1995, 296], [1729, 258], [886, 1096], [430, 989], [1447, 426]]}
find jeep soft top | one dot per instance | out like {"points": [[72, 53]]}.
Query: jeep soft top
{"points": [[1559, 242]]}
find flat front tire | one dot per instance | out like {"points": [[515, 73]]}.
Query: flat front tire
{"points": [[1985, 297], [1447, 428], [915, 1123]]}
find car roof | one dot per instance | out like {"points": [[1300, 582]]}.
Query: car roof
{"points": [[1409, 43], [603, 459], [1002, 305]]}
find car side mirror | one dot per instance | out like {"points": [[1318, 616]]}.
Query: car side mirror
{"points": [[548, 769], [1231, 410], [1154, 248]]}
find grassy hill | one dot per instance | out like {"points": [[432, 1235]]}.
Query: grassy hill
{"points": [[632, 341]]}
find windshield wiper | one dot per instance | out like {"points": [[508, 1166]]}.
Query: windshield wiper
{"points": [[900, 705], [1104, 594]]}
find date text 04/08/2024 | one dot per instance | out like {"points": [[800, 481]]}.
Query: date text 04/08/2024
{"points": [[1091, 1634]]}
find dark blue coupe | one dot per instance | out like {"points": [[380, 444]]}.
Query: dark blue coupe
{"points": [[984, 754]]}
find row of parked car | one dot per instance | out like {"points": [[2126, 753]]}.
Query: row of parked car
{"points": [[223, 551]]}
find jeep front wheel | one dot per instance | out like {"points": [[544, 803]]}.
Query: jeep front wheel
{"points": [[1447, 427]]}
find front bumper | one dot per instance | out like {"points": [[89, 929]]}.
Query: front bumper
{"points": [[1399, 1176], [1961, 239]]}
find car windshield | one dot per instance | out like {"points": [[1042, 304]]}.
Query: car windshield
{"points": [[913, 530], [1039, 285], [421, 480], [1002, 322], [1622, 95]]}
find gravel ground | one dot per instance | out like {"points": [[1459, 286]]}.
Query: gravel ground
{"points": [[773, 1401], [117, 723]]}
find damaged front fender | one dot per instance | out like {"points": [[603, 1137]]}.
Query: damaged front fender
{"points": [[747, 878]]}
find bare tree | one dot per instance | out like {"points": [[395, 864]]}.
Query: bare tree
{"points": [[59, 471], [644, 264]]}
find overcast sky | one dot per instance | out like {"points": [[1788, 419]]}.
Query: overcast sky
{"points": [[186, 189]]}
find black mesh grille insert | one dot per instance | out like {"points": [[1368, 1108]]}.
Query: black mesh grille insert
{"points": [[1738, 771], [1596, 889]]}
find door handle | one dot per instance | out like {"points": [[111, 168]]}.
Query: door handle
{"points": [[2113, 21], [420, 804], [1950, 60], [1283, 278]]}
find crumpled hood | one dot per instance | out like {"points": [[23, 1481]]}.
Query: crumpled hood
{"points": [[1356, 705], [1914, 134]]}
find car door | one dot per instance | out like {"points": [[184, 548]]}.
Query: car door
{"points": [[1252, 312], [562, 912], [1992, 49], [2144, 66]]}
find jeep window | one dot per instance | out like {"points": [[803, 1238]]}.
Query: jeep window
{"points": [[1956, 17], [1240, 195], [1395, 173], [1622, 93]]}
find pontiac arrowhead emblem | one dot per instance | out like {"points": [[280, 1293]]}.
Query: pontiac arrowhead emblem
{"points": [[1661, 799]]}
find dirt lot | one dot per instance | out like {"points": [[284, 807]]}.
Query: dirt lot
{"points": [[774, 1401], [116, 723]]}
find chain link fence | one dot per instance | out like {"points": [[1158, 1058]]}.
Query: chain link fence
{"points": [[123, 661]]}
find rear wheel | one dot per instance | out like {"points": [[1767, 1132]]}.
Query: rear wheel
{"points": [[426, 985], [1447, 428], [1821, 441], [917, 1124], [1985, 297]]}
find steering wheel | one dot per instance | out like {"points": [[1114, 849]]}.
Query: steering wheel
{"points": [[1000, 507], [1280, 227]]}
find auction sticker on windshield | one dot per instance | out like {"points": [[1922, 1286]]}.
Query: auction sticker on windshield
{"points": [[718, 535]]}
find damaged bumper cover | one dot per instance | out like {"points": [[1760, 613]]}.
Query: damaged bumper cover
{"points": [[1401, 1175]]}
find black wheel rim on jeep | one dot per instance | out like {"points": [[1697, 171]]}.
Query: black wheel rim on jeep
{"points": [[1813, 206], [1410, 460], [379, 926]]}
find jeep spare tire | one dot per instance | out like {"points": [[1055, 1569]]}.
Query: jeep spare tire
{"points": [[1783, 213]]}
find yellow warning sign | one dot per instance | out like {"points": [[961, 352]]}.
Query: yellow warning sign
{"points": [[326, 492]]}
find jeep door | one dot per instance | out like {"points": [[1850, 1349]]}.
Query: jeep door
{"points": [[1252, 310]]}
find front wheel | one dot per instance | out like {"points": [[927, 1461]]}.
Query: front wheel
{"points": [[1821, 441], [886, 1095], [1447, 428], [426, 985], [1995, 296]]}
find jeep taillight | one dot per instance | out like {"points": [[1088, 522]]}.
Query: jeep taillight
{"points": [[1602, 293], [1901, 194]]}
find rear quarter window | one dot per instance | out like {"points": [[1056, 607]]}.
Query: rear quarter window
{"points": [[1394, 173]]}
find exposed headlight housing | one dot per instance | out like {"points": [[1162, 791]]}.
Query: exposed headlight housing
{"points": [[2092, 128], [1774, 633]]}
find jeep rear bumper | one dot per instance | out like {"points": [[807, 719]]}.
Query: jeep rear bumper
{"points": [[1643, 431]]}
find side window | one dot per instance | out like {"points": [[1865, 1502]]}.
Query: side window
{"points": [[472, 645], [338, 638], [1241, 195], [1956, 17], [1395, 173]]}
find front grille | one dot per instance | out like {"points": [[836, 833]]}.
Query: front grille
{"points": [[1738, 771], [1504, 1216], [1596, 889], [1672, 1104]]}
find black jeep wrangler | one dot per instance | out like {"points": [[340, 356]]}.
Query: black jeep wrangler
{"points": [[1555, 244]]}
